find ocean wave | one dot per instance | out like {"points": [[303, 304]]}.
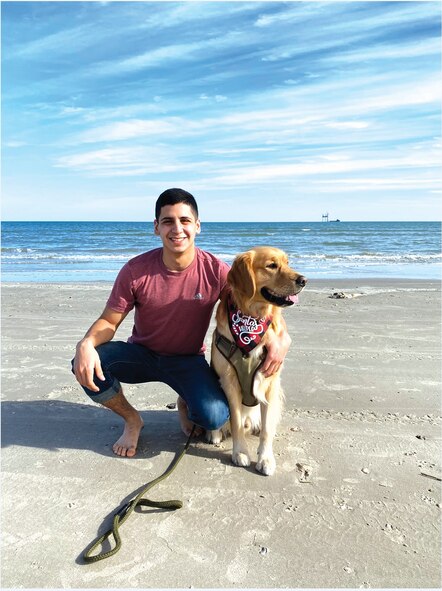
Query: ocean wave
{"points": [[367, 258], [93, 251], [33, 255], [29, 255], [7, 249]]}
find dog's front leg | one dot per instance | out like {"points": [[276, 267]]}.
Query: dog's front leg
{"points": [[270, 414], [240, 452], [266, 463]]}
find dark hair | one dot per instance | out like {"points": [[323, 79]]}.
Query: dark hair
{"points": [[173, 196]]}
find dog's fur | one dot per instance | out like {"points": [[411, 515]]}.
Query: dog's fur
{"points": [[261, 267]]}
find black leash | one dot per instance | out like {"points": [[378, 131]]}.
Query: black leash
{"points": [[123, 513]]}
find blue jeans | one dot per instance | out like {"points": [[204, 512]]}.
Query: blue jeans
{"points": [[189, 375]]}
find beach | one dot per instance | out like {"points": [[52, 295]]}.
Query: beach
{"points": [[355, 501]]}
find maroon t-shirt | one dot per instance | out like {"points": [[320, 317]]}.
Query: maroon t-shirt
{"points": [[172, 309]]}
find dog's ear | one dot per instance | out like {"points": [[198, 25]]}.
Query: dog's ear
{"points": [[241, 276]]}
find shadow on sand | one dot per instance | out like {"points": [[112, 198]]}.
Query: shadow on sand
{"points": [[61, 425], [58, 425]]}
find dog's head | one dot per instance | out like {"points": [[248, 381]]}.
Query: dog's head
{"points": [[262, 275]]}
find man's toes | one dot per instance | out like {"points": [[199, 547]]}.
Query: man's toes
{"points": [[122, 451], [117, 449]]}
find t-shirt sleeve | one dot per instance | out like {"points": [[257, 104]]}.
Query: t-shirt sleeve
{"points": [[122, 298], [223, 276]]}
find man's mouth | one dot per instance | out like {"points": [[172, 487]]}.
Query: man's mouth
{"points": [[277, 299]]}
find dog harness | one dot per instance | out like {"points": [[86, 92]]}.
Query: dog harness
{"points": [[247, 333]]}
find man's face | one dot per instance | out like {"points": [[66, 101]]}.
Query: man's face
{"points": [[177, 227]]}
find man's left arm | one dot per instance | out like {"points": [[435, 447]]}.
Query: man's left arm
{"points": [[277, 347]]}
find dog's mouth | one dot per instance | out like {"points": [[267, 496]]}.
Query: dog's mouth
{"points": [[279, 300]]}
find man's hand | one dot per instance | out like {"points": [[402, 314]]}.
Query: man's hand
{"points": [[86, 363], [277, 347]]}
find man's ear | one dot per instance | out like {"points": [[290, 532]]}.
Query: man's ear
{"points": [[198, 226], [155, 227]]}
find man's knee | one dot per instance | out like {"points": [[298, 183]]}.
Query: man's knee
{"points": [[214, 415], [108, 388]]}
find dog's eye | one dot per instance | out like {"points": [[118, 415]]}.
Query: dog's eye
{"points": [[272, 266]]}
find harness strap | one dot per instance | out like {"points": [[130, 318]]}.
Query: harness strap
{"points": [[123, 513], [225, 346], [245, 366]]}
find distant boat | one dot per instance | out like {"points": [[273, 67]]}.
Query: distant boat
{"points": [[325, 218]]}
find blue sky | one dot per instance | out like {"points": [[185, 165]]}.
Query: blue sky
{"points": [[274, 111]]}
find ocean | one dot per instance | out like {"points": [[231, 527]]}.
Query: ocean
{"points": [[52, 252]]}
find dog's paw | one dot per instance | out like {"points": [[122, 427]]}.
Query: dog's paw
{"points": [[241, 459], [266, 466], [214, 437]]}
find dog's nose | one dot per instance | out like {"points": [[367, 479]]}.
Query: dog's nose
{"points": [[301, 281]]}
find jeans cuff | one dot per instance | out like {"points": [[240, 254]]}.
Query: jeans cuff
{"points": [[102, 397]]}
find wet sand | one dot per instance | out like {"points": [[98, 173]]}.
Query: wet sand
{"points": [[355, 501]]}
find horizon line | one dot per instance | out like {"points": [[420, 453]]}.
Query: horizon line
{"points": [[228, 221]]}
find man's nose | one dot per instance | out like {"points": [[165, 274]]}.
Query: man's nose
{"points": [[177, 226]]}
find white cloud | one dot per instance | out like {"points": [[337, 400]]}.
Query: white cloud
{"points": [[194, 13], [282, 172], [338, 113], [129, 161], [335, 157], [154, 57], [339, 17], [385, 51], [130, 129], [14, 144], [272, 125], [227, 151], [60, 42], [141, 161], [72, 111], [347, 124], [424, 92], [350, 185], [173, 53]]}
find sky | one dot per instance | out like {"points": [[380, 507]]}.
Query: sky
{"points": [[265, 111]]}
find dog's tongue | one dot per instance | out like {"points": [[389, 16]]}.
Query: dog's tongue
{"points": [[293, 298]]}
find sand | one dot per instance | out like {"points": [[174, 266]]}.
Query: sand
{"points": [[355, 501]]}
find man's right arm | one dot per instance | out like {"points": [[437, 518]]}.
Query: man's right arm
{"points": [[86, 360]]}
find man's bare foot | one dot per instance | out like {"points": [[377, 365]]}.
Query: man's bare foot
{"points": [[185, 422], [126, 446]]}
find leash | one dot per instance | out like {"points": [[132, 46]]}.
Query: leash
{"points": [[125, 511]]}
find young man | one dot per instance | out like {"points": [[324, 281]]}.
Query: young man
{"points": [[173, 290]]}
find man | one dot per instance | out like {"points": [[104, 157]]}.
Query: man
{"points": [[173, 290]]}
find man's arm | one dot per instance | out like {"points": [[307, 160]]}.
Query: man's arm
{"points": [[277, 347], [86, 360]]}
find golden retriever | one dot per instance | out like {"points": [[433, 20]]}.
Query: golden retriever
{"points": [[260, 283]]}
